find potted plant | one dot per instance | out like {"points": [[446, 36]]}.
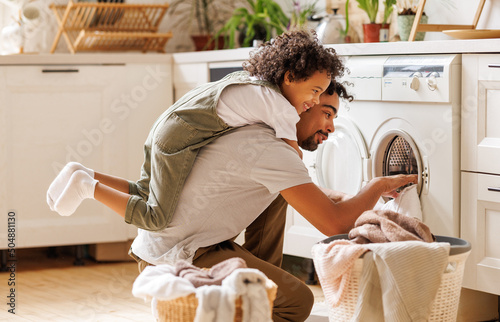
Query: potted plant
{"points": [[300, 14], [201, 18], [406, 15], [384, 28], [259, 20], [371, 30]]}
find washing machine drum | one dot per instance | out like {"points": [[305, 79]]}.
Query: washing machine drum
{"points": [[399, 158], [396, 153]]}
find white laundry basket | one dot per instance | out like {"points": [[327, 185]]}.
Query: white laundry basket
{"points": [[445, 306]]}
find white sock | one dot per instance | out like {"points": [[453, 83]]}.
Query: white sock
{"points": [[80, 186], [57, 186]]}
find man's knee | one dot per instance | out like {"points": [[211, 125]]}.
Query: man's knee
{"points": [[293, 303]]}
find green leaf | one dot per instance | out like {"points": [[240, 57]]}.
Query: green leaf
{"points": [[370, 7]]}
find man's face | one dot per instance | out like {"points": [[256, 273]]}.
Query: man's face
{"points": [[316, 123]]}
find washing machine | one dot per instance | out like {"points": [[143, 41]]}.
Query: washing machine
{"points": [[405, 119]]}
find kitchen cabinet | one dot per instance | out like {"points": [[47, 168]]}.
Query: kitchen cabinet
{"points": [[190, 75], [98, 115], [480, 198]]}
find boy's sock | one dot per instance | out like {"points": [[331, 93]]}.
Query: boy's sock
{"points": [[80, 186], [57, 186]]}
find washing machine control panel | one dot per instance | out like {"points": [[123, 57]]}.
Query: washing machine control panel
{"points": [[417, 78]]}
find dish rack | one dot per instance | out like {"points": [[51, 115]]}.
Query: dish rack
{"points": [[110, 26]]}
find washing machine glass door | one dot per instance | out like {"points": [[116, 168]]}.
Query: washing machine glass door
{"points": [[341, 160]]}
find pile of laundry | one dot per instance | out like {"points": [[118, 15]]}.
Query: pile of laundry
{"points": [[402, 265], [216, 289]]}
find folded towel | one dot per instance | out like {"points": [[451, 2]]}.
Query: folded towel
{"points": [[217, 304], [160, 282], [381, 226], [214, 276]]}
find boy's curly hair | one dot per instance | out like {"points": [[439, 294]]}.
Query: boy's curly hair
{"points": [[299, 52]]}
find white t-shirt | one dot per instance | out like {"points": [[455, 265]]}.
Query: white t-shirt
{"points": [[233, 180], [245, 104]]}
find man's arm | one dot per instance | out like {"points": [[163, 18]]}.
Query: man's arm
{"points": [[335, 196], [337, 218]]}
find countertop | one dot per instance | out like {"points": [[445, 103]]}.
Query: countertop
{"points": [[84, 58], [388, 48], [392, 48]]}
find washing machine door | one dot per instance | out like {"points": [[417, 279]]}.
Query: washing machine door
{"points": [[342, 160], [395, 152]]}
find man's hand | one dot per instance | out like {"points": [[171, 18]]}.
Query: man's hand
{"points": [[392, 183]]}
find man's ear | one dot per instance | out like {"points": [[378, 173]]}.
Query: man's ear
{"points": [[286, 79]]}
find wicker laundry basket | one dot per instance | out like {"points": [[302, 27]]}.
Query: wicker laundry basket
{"points": [[445, 306], [183, 309]]}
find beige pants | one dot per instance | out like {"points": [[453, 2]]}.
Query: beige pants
{"points": [[263, 250]]}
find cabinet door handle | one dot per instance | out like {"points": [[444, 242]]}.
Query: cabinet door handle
{"points": [[69, 70], [494, 65], [494, 189]]}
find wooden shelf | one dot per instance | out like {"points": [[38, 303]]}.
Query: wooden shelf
{"points": [[417, 26], [110, 26]]}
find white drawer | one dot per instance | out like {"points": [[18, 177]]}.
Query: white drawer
{"points": [[60, 75], [489, 67], [488, 187]]}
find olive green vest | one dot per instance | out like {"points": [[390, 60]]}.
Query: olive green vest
{"points": [[172, 147]]}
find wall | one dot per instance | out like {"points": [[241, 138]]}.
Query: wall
{"points": [[38, 35], [439, 12]]}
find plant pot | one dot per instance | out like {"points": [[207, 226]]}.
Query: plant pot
{"points": [[384, 32], [206, 42], [405, 22], [371, 32], [260, 34]]}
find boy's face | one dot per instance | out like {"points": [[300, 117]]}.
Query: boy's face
{"points": [[303, 94]]}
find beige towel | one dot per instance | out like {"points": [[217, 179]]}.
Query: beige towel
{"points": [[213, 276], [381, 226], [400, 280]]}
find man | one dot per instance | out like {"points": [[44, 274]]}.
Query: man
{"points": [[239, 176]]}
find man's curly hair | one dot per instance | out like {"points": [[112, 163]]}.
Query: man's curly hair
{"points": [[340, 89], [299, 52]]}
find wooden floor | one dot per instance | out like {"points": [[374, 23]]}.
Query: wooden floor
{"points": [[53, 289]]}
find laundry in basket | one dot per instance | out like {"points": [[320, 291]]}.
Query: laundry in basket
{"points": [[245, 295], [404, 280]]}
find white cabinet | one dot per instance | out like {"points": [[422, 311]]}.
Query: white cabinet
{"points": [[98, 115], [481, 113], [480, 198], [480, 226], [192, 74], [188, 76]]}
